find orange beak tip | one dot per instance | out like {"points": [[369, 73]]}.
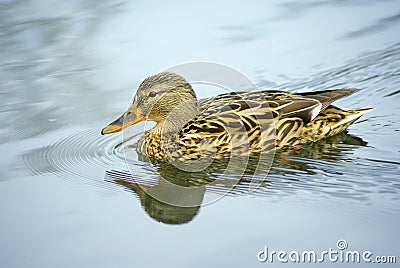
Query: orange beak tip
{"points": [[119, 125], [110, 129]]}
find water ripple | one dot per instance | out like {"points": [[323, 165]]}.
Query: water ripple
{"points": [[83, 156]]}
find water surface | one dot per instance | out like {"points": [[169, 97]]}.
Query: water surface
{"points": [[70, 68]]}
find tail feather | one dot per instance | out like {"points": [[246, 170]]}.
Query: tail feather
{"points": [[326, 97], [351, 116]]}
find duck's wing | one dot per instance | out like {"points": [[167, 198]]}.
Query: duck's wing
{"points": [[285, 103], [289, 112], [248, 121], [302, 105]]}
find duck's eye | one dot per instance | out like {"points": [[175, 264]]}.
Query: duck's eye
{"points": [[152, 94]]}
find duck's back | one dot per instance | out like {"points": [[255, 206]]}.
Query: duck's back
{"points": [[258, 121]]}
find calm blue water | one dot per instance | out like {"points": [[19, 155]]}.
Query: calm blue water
{"points": [[69, 68]]}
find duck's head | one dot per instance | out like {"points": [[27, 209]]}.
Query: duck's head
{"points": [[155, 99]]}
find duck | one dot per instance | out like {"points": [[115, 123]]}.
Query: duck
{"points": [[229, 124]]}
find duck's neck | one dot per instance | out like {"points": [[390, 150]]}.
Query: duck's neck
{"points": [[177, 118]]}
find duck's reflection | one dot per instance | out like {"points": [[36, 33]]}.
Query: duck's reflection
{"points": [[175, 196], [162, 211]]}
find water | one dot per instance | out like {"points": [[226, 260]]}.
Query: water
{"points": [[70, 68]]}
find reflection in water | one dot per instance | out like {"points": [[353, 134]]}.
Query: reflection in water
{"points": [[160, 211], [183, 203], [333, 148]]}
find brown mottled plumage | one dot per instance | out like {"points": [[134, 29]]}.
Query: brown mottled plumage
{"points": [[231, 124]]}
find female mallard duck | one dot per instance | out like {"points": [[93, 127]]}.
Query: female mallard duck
{"points": [[231, 124]]}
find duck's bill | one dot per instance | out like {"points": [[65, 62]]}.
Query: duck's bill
{"points": [[126, 120]]}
